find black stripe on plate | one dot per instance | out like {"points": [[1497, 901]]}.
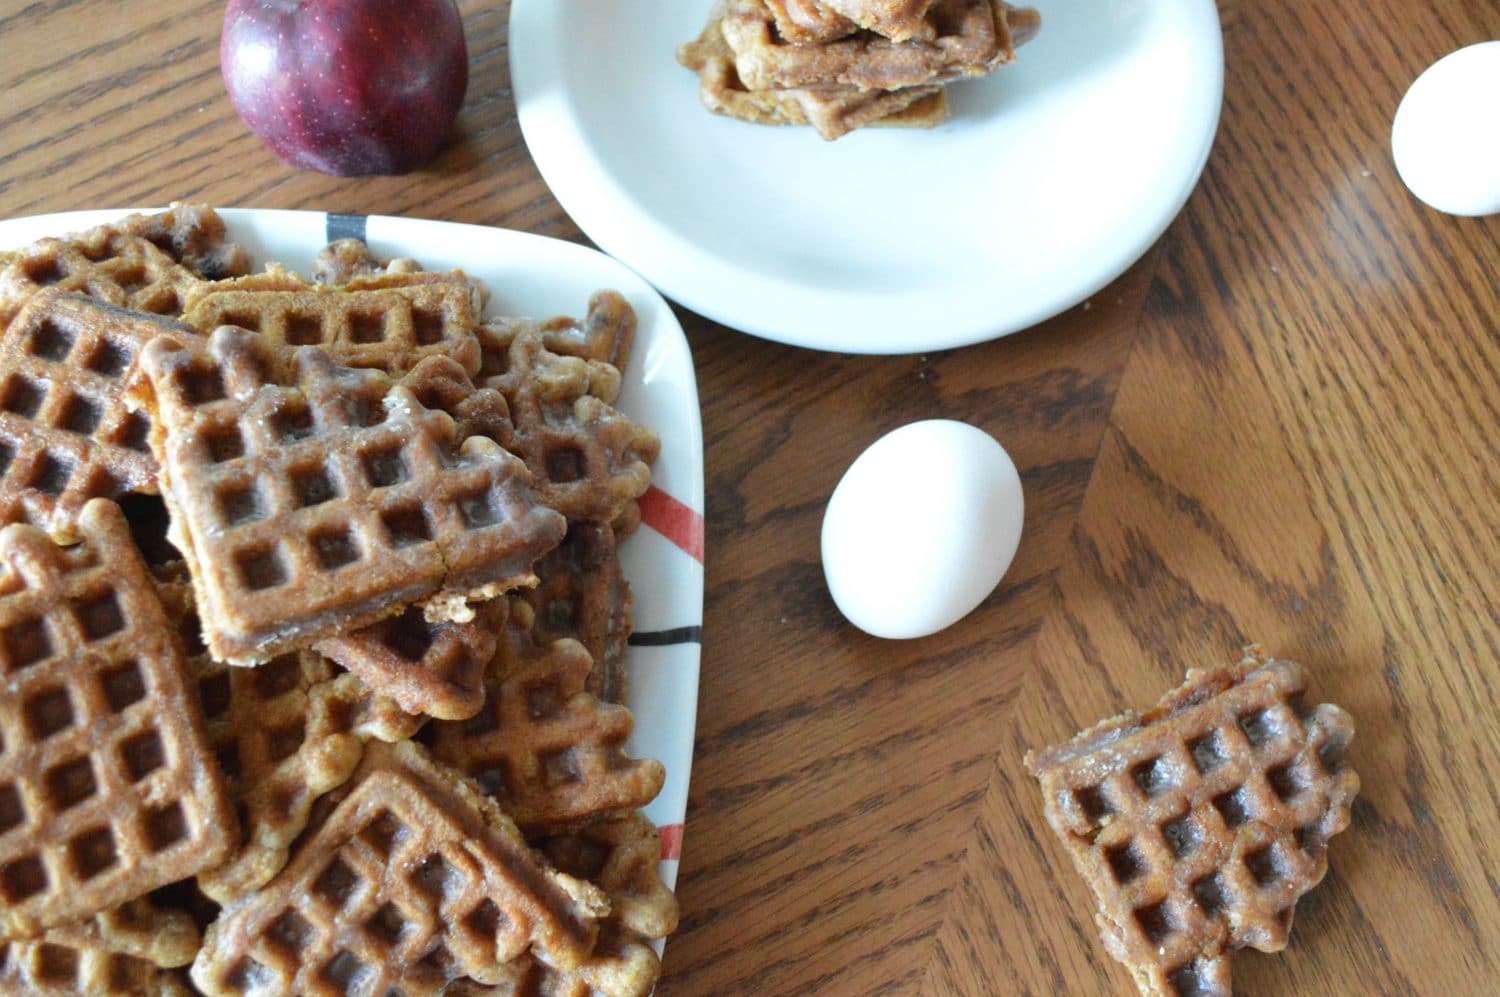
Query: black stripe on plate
{"points": [[660, 638], [345, 227]]}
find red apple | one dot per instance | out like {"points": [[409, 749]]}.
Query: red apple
{"points": [[348, 87]]}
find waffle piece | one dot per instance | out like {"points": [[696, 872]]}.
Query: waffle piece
{"points": [[386, 322], [969, 38], [119, 952], [147, 263], [65, 433], [327, 503], [620, 966], [1199, 823], [107, 786], [344, 260], [414, 879], [622, 858], [898, 20], [809, 22], [550, 752], [833, 111], [582, 594], [428, 668], [589, 461]]}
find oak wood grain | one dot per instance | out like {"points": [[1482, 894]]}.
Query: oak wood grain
{"points": [[1279, 426]]}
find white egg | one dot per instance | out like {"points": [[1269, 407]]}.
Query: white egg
{"points": [[921, 528], [1446, 136]]}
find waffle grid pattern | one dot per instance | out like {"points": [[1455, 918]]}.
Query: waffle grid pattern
{"points": [[1199, 830], [104, 790], [394, 890], [385, 328], [66, 435], [550, 752], [326, 504]]}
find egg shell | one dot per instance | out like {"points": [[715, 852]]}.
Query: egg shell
{"points": [[1446, 135], [921, 528]]}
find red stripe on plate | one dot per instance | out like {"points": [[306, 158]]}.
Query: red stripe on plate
{"points": [[671, 842], [673, 520]]}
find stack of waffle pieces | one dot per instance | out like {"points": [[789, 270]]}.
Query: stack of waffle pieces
{"points": [[840, 65], [312, 627]]}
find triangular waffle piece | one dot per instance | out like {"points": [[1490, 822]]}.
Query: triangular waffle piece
{"points": [[107, 786], [1199, 823], [384, 322], [285, 734], [428, 668], [550, 752], [833, 110], [414, 879], [588, 459], [582, 594], [329, 502], [66, 435], [147, 263], [969, 38]]}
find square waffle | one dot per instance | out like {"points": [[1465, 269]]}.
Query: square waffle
{"points": [[968, 38], [550, 752], [328, 501], [412, 880], [387, 322], [107, 786], [833, 110], [146, 263], [1200, 823], [66, 435]]}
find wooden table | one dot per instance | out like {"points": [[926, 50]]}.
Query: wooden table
{"points": [[1282, 425]]}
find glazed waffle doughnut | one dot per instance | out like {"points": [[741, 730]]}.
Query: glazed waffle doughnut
{"points": [[1200, 823], [107, 786], [587, 459], [65, 433], [387, 323], [428, 668], [834, 111], [582, 594], [130, 263], [550, 752], [328, 502], [969, 38], [414, 879]]}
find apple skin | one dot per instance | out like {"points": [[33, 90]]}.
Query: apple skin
{"points": [[348, 87]]}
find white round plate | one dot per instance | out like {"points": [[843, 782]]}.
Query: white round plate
{"points": [[533, 275], [1050, 178]]}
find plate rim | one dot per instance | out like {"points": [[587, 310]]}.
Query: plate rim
{"points": [[609, 215]]}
